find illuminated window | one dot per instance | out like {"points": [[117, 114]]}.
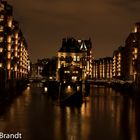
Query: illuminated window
{"points": [[9, 39], [1, 39], [12, 68], [74, 58], [8, 55], [9, 47], [15, 68], [74, 78], [0, 65], [75, 72], [20, 54], [16, 54], [1, 49], [21, 44], [16, 48], [135, 56], [21, 49], [1, 28], [119, 74], [135, 50], [16, 42], [119, 55], [67, 72], [135, 29], [8, 66], [16, 35], [10, 22], [79, 41], [78, 58], [119, 69], [1, 17]]}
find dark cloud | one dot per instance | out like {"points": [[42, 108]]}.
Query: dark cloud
{"points": [[46, 22]]}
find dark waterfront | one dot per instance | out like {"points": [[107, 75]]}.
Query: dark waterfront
{"points": [[106, 114]]}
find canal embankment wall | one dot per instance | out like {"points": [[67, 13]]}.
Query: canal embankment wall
{"points": [[11, 88], [125, 87]]}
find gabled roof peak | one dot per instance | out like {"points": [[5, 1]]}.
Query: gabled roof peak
{"points": [[83, 46]]}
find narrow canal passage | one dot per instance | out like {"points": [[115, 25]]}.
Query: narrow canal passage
{"points": [[106, 115]]}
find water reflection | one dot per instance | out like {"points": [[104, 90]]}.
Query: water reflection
{"points": [[14, 118], [106, 114]]}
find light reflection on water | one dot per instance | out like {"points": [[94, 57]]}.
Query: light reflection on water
{"points": [[106, 114]]}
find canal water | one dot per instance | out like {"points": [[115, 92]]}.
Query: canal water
{"points": [[104, 115]]}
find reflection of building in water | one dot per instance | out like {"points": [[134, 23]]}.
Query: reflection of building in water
{"points": [[123, 113], [75, 53]]}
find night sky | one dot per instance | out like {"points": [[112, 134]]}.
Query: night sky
{"points": [[45, 22]]}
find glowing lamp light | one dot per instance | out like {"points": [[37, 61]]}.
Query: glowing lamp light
{"points": [[45, 89], [78, 88], [135, 29], [69, 87], [28, 88], [50, 77]]}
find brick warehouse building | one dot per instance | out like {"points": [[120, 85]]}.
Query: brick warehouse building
{"points": [[102, 68], [131, 54], [14, 59], [75, 53]]}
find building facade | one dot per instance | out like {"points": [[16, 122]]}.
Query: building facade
{"points": [[36, 71], [137, 30], [102, 68], [118, 64], [14, 58], [75, 53], [131, 54], [44, 68]]}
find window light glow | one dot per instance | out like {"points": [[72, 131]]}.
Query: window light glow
{"points": [[1, 39], [8, 66], [74, 78], [74, 58], [10, 22], [1, 17], [0, 65], [9, 47], [1, 28], [9, 39], [69, 89], [8, 55], [1, 49]]}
